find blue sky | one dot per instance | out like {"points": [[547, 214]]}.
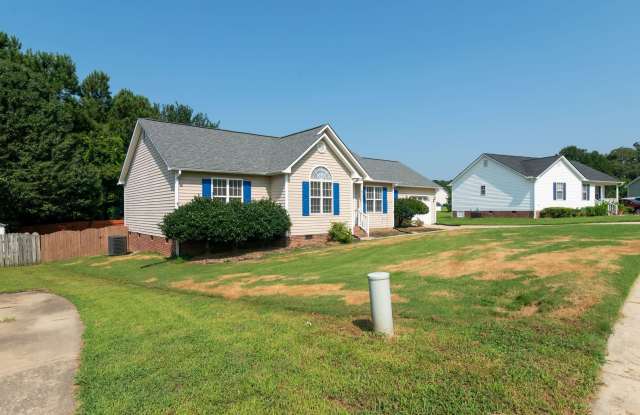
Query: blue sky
{"points": [[433, 84]]}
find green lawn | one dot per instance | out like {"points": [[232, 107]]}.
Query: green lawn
{"points": [[488, 321], [446, 218]]}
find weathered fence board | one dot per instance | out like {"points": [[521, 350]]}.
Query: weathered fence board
{"points": [[70, 244], [19, 249], [26, 249]]}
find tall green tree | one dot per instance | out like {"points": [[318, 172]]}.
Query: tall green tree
{"points": [[64, 141]]}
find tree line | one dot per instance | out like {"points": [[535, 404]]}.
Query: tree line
{"points": [[62, 140], [622, 162]]}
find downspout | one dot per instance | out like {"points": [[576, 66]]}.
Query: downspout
{"points": [[176, 200], [286, 199]]}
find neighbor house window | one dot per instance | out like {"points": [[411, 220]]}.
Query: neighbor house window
{"points": [[374, 199], [598, 192], [586, 191], [226, 189], [483, 190], [560, 190], [321, 191]]}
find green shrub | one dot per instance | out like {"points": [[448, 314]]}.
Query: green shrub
{"points": [[557, 212], [221, 223], [405, 209], [340, 232], [601, 209]]}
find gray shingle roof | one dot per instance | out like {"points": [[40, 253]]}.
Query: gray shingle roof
{"points": [[534, 166], [395, 172], [205, 149], [187, 147]]}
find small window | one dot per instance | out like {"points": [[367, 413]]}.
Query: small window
{"points": [[561, 190], [485, 163], [226, 189], [483, 190], [586, 191], [598, 192], [374, 199]]}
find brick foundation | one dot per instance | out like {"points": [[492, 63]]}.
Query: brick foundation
{"points": [[297, 241], [499, 214], [142, 242]]}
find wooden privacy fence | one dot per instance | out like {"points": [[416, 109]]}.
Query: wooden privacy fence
{"points": [[19, 249], [70, 244]]}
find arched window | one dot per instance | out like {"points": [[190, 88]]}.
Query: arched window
{"points": [[321, 173], [321, 190]]}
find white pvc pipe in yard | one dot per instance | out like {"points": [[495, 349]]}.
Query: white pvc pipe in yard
{"points": [[380, 297]]}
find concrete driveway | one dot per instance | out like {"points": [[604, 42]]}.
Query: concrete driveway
{"points": [[40, 338], [620, 391]]}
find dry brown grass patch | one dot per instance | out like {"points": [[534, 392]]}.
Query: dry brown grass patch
{"points": [[242, 287], [495, 262], [441, 293], [131, 257]]}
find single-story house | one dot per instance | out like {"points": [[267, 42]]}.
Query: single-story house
{"points": [[311, 173], [633, 188], [504, 185]]}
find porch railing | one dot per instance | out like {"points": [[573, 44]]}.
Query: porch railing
{"points": [[362, 220]]}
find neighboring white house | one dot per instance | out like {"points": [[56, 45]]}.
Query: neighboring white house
{"points": [[311, 173], [633, 188], [2, 228], [503, 185]]}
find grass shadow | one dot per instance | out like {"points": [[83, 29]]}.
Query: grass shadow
{"points": [[363, 324]]}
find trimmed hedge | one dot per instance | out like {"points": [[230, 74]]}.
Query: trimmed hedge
{"points": [[405, 209], [234, 223], [601, 209]]}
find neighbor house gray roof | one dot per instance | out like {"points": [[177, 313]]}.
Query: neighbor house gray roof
{"points": [[206, 149], [185, 147], [394, 172], [534, 166]]}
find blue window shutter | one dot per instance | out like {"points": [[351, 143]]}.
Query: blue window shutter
{"points": [[246, 191], [395, 195], [206, 188], [564, 191], [305, 198], [384, 200], [364, 199], [336, 198], [554, 190], [588, 192]]}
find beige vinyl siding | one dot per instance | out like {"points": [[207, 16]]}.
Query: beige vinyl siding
{"points": [[404, 192], [191, 185], [277, 189], [319, 223], [148, 191], [382, 220]]}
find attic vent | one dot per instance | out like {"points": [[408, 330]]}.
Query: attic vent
{"points": [[322, 148], [485, 163]]}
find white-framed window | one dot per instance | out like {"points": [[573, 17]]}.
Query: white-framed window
{"points": [[226, 189], [598, 194], [373, 198], [560, 190], [586, 191], [321, 198], [483, 190]]}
